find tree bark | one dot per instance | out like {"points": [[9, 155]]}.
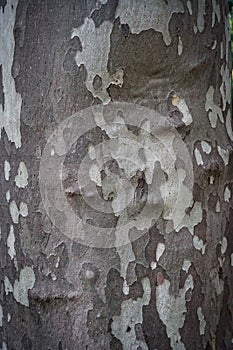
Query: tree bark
{"points": [[171, 287]]}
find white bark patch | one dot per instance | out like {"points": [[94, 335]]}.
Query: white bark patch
{"points": [[172, 310], [15, 212], [153, 265], [8, 317], [224, 154], [198, 244], [1, 315], [186, 265], [225, 87], [53, 152], [183, 107], [202, 322], [7, 286], [189, 7], [223, 245], [174, 208], [4, 346], [95, 50], [21, 179], [91, 152], [8, 196], [216, 12], [10, 114], [139, 15], [200, 15], [227, 194], [123, 326], [229, 125], [206, 147], [198, 157], [112, 130], [192, 219], [160, 250], [232, 259], [214, 111], [26, 281], [23, 209], [218, 208], [126, 255], [11, 243], [7, 169], [211, 179], [214, 45], [180, 46], [95, 175]]}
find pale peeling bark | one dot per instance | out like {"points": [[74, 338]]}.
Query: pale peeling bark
{"points": [[170, 289]]}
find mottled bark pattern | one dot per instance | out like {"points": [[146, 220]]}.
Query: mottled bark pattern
{"points": [[57, 58]]}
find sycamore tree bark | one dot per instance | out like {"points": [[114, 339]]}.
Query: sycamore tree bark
{"points": [[162, 280]]}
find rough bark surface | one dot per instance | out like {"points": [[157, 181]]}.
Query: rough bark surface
{"points": [[166, 290]]}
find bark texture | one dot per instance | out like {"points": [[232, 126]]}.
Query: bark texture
{"points": [[166, 290]]}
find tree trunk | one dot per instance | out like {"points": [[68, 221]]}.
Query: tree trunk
{"points": [[116, 231]]}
